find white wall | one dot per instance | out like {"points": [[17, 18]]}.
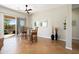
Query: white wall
{"points": [[55, 18], [75, 28]]}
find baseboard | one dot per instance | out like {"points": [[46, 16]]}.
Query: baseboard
{"points": [[45, 37], [75, 38], [62, 39], [69, 48], [50, 38]]}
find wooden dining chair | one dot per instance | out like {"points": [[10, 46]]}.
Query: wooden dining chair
{"points": [[34, 35], [24, 32]]}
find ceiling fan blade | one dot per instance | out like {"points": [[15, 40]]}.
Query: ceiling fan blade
{"points": [[29, 9], [27, 12]]}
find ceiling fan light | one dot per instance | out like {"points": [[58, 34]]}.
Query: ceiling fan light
{"points": [[26, 5]]}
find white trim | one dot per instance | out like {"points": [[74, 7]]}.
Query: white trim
{"points": [[16, 26], [50, 38], [45, 37], [69, 48], [62, 39], [77, 38]]}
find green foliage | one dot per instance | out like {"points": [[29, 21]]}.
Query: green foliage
{"points": [[6, 22], [7, 27]]}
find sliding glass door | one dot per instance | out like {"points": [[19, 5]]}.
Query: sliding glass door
{"points": [[21, 22], [9, 26]]}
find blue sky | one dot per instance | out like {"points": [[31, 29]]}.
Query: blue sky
{"points": [[12, 22]]}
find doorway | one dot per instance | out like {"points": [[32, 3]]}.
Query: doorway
{"points": [[75, 26], [9, 26]]}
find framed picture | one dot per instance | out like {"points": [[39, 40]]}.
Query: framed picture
{"points": [[44, 23], [41, 23], [36, 23]]}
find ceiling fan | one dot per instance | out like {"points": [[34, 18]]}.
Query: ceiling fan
{"points": [[28, 9]]}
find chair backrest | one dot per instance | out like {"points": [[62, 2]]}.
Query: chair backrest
{"points": [[34, 32], [24, 29]]}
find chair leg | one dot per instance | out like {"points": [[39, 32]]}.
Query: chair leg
{"points": [[31, 39], [35, 39]]}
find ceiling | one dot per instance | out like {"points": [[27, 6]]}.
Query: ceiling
{"points": [[34, 7]]}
